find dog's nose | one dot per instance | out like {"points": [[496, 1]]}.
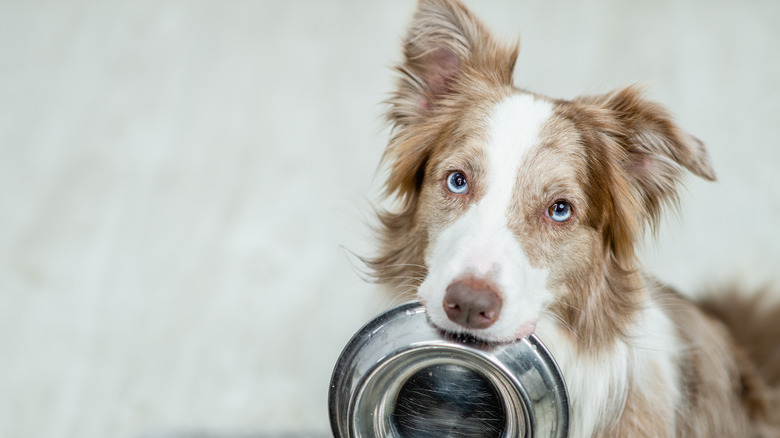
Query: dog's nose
{"points": [[473, 303]]}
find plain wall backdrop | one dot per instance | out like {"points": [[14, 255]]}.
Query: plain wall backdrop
{"points": [[182, 182]]}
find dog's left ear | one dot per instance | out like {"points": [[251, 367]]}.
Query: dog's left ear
{"points": [[648, 154], [654, 138], [654, 149]]}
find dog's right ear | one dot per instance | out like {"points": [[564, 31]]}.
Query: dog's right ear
{"points": [[446, 49], [444, 41]]}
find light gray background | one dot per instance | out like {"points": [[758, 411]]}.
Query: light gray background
{"points": [[178, 179]]}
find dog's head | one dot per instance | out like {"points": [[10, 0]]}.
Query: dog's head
{"points": [[513, 206]]}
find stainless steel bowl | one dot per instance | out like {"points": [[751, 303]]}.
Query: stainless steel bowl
{"points": [[400, 376]]}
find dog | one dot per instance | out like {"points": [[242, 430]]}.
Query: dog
{"points": [[518, 213]]}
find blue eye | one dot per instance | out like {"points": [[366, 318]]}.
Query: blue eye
{"points": [[456, 183], [560, 211]]}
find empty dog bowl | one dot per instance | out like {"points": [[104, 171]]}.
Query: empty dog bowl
{"points": [[400, 376]]}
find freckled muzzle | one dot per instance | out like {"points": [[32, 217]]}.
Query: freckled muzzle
{"points": [[400, 376]]}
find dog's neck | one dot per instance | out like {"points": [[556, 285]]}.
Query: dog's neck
{"points": [[613, 361]]}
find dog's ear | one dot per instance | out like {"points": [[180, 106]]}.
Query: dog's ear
{"points": [[447, 50], [444, 42], [653, 151], [653, 138]]}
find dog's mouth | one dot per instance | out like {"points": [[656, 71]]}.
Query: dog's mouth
{"points": [[489, 336]]}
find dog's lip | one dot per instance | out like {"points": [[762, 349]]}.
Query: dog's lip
{"points": [[525, 330]]}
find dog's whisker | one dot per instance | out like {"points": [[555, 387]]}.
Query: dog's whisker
{"points": [[563, 323]]}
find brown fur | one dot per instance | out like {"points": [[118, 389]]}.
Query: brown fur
{"points": [[726, 395], [619, 158], [754, 321]]}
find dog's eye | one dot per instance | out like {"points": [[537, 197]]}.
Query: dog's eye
{"points": [[456, 183], [560, 211]]}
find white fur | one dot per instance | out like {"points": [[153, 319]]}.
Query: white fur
{"points": [[480, 242], [598, 384]]}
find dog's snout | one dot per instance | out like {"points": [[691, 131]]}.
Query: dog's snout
{"points": [[473, 303]]}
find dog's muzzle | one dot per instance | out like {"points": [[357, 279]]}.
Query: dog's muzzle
{"points": [[400, 376]]}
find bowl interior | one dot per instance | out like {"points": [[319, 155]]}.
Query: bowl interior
{"points": [[439, 390]]}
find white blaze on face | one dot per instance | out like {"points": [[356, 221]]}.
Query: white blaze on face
{"points": [[479, 243]]}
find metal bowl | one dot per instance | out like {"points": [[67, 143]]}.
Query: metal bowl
{"points": [[400, 376]]}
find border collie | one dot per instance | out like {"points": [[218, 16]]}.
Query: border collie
{"points": [[518, 213]]}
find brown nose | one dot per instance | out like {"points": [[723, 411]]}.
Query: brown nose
{"points": [[473, 303]]}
